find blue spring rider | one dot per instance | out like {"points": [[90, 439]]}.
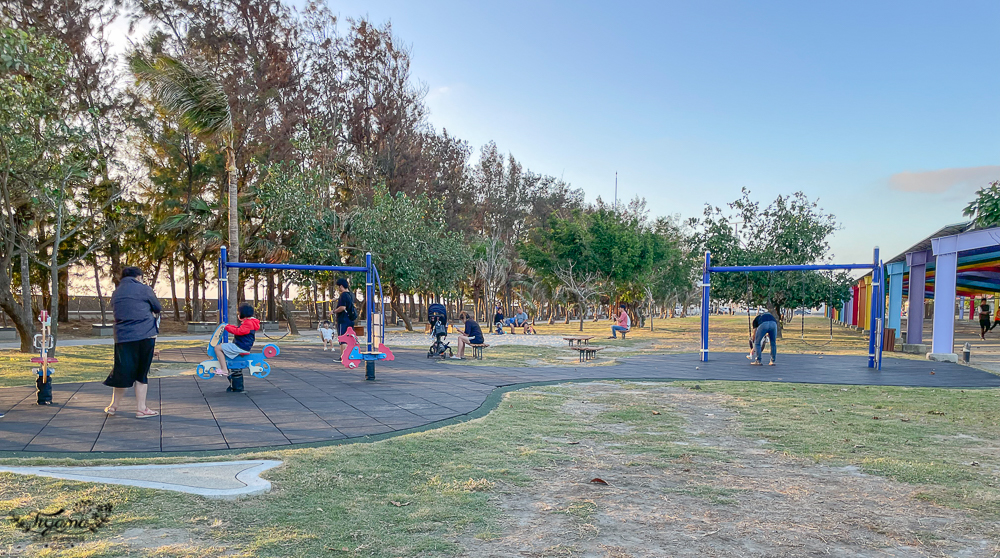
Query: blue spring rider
{"points": [[256, 363]]}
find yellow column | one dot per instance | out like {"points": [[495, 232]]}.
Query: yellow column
{"points": [[868, 302]]}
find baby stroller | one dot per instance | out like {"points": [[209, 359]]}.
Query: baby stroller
{"points": [[437, 316]]}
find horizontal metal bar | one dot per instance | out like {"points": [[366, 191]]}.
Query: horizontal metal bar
{"points": [[296, 267], [812, 267]]}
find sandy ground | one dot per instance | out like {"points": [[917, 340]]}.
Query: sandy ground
{"points": [[757, 502]]}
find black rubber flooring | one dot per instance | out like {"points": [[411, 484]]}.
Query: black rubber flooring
{"points": [[311, 398]]}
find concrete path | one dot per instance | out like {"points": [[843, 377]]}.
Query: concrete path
{"points": [[224, 480], [311, 398]]}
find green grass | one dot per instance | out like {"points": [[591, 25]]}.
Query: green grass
{"points": [[333, 498], [338, 500], [922, 436], [83, 363]]}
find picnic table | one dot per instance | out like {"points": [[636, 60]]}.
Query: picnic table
{"points": [[588, 352], [579, 340]]}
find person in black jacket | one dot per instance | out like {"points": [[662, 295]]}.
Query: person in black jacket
{"points": [[136, 311]]}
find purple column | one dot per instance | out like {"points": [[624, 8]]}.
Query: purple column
{"points": [[915, 314]]}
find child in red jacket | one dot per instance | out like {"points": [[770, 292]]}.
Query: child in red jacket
{"points": [[243, 338]]}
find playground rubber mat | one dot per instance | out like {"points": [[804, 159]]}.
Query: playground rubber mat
{"points": [[310, 398]]}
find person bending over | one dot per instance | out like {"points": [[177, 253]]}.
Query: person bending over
{"points": [[623, 325], [473, 335], [243, 337], [764, 325]]}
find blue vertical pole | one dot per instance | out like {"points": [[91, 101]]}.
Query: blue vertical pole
{"points": [[223, 291], [881, 307], [369, 305], [875, 332], [368, 298], [704, 307]]}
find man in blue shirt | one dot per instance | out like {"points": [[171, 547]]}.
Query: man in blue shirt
{"points": [[764, 324], [473, 335]]}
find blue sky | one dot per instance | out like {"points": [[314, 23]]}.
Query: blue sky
{"points": [[886, 111]]}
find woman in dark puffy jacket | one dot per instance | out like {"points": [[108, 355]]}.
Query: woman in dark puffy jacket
{"points": [[136, 311]]}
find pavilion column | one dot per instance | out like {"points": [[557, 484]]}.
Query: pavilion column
{"points": [[867, 316], [945, 279], [855, 303], [917, 261], [895, 273]]}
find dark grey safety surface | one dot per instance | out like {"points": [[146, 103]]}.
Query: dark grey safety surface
{"points": [[311, 398]]}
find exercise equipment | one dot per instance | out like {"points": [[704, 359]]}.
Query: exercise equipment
{"points": [[877, 310], [374, 313], [256, 363], [44, 342]]}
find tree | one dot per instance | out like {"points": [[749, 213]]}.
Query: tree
{"points": [[409, 244], [792, 230], [985, 209], [49, 163], [203, 108]]}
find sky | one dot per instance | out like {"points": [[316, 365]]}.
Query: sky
{"points": [[884, 111]]}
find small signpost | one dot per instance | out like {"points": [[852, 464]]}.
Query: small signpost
{"points": [[44, 342]]}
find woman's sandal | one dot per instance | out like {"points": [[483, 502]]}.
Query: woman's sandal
{"points": [[146, 414], [110, 411]]}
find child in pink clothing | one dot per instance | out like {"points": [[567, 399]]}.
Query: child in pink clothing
{"points": [[624, 323]]}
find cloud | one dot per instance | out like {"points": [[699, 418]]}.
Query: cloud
{"points": [[943, 180]]}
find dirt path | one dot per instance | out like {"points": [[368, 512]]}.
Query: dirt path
{"points": [[753, 502]]}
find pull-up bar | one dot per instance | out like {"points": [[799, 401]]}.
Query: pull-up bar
{"points": [[297, 267], [810, 267], [877, 309], [371, 281]]}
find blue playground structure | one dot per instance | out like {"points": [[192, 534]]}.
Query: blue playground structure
{"points": [[877, 310], [369, 352], [256, 363]]}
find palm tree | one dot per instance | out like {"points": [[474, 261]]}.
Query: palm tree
{"points": [[201, 105]]}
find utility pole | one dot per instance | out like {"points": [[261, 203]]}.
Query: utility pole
{"points": [[616, 191]]}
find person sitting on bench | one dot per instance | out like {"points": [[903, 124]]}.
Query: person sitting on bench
{"points": [[473, 335], [243, 337], [498, 321], [623, 325], [519, 320]]}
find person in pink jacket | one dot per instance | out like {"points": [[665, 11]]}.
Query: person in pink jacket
{"points": [[623, 325]]}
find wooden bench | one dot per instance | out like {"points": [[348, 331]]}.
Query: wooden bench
{"points": [[579, 340], [588, 352], [477, 350]]}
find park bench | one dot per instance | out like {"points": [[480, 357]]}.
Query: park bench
{"points": [[587, 352], [579, 339], [477, 350]]}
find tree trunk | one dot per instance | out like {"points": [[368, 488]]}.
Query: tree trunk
{"points": [[187, 293], [394, 298], [234, 229], [195, 285], [63, 276], [286, 310], [775, 311], [100, 297], [583, 313], [271, 307], [204, 291], [173, 289], [21, 314]]}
